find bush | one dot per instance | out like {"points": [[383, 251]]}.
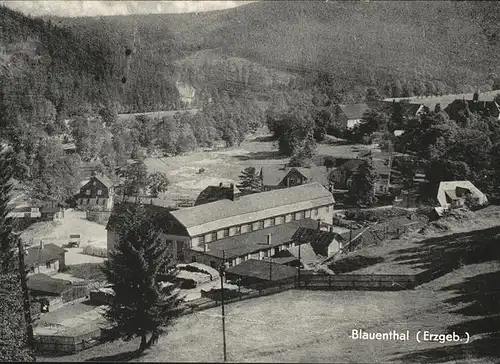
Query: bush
{"points": [[190, 268], [95, 251], [351, 264], [186, 283]]}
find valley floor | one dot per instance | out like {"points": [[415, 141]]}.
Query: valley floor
{"points": [[314, 326]]}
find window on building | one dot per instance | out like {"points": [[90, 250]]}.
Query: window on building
{"points": [[99, 192], [193, 259], [202, 239], [88, 201], [316, 212], [279, 220], [103, 201], [212, 264], [230, 263], [243, 258], [47, 265], [237, 230], [225, 233], [329, 208], [214, 236], [258, 225], [299, 215], [288, 218], [93, 183], [308, 214], [81, 201], [32, 269], [87, 192]]}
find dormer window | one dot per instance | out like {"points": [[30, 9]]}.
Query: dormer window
{"points": [[87, 192], [99, 192]]}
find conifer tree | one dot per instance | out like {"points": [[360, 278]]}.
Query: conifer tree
{"points": [[250, 181], [13, 338], [362, 188], [141, 304]]}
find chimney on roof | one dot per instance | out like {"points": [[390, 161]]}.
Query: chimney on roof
{"points": [[475, 97], [206, 248], [268, 239]]}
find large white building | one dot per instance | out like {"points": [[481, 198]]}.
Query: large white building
{"points": [[195, 228]]}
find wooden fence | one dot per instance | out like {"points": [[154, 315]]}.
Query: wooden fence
{"points": [[365, 282]]}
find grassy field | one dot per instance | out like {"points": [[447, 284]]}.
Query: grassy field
{"points": [[304, 326], [297, 326], [225, 165], [459, 228], [314, 326]]}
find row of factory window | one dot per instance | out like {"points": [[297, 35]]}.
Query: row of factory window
{"points": [[257, 255], [259, 225], [90, 201]]}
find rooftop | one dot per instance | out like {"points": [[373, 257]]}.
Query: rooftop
{"points": [[319, 239], [46, 284], [156, 114], [37, 255], [219, 214], [236, 246], [263, 270], [273, 175], [104, 180], [354, 111]]}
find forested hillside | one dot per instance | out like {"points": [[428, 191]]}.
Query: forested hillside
{"points": [[284, 63], [397, 47]]}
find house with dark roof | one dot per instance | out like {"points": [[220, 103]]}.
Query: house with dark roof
{"points": [[342, 176], [350, 115], [197, 227], [216, 193], [98, 192], [45, 258], [281, 176], [255, 271], [324, 243], [53, 211], [159, 213], [44, 285], [484, 107], [259, 244]]}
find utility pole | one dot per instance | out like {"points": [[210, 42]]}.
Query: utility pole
{"points": [[270, 269], [222, 271], [26, 296], [299, 265]]}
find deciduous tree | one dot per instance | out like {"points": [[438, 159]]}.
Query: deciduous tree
{"points": [[157, 183]]}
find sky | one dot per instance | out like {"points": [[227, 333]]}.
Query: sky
{"points": [[73, 8]]}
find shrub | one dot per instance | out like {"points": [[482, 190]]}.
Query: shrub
{"points": [[351, 264], [190, 268], [95, 251]]}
